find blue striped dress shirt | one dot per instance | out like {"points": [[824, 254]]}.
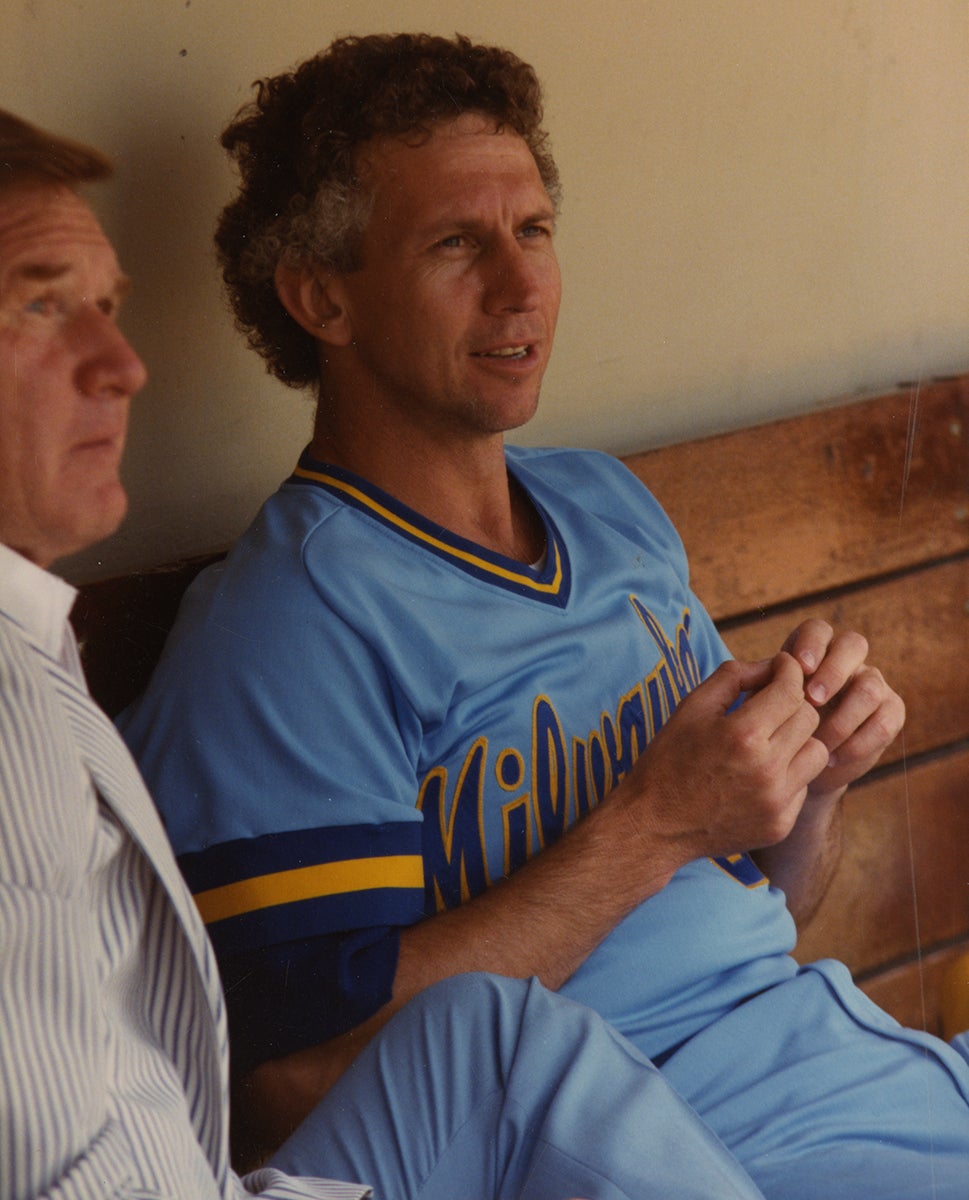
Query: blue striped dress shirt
{"points": [[113, 1055]]}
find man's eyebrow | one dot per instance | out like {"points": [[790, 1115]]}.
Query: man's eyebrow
{"points": [[472, 222], [42, 272]]}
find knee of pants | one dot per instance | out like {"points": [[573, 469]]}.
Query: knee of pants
{"points": [[489, 1016], [471, 992]]}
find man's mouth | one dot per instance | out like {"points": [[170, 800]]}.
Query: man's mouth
{"points": [[102, 442], [504, 352]]}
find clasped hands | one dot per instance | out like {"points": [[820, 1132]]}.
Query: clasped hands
{"points": [[721, 778]]}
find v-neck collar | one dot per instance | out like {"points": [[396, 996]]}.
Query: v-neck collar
{"points": [[550, 582]]}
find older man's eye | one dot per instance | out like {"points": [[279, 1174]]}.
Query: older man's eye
{"points": [[44, 306]]}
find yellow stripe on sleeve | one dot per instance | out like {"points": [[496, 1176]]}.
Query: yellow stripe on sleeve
{"points": [[308, 883]]}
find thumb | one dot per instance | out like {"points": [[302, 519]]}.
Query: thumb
{"points": [[731, 680]]}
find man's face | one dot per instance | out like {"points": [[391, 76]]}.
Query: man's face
{"points": [[66, 375], [453, 313]]}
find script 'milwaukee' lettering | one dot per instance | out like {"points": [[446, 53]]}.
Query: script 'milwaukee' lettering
{"points": [[550, 782]]}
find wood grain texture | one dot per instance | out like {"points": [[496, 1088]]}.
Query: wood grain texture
{"points": [[903, 881], [811, 503], [911, 991], [858, 515]]}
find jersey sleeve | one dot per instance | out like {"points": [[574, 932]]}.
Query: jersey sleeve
{"points": [[290, 995], [272, 739]]}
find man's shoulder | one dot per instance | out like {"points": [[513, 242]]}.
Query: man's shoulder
{"points": [[38, 762], [563, 458], [570, 467], [269, 559], [595, 479]]}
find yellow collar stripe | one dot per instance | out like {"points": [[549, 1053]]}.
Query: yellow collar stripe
{"points": [[414, 531]]}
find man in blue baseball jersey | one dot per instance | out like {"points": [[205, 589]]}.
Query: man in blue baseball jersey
{"points": [[451, 705], [113, 1054]]}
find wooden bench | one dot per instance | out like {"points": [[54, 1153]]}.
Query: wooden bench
{"points": [[857, 513]]}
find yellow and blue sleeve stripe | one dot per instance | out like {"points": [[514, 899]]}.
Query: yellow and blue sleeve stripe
{"points": [[255, 892]]}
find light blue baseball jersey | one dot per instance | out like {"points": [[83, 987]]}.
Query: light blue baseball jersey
{"points": [[361, 719]]}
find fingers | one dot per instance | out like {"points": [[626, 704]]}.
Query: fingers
{"points": [[778, 682], [780, 695], [866, 702], [860, 714], [775, 745], [808, 643], [731, 680], [798, 751], [828, 660], [857, 727]]}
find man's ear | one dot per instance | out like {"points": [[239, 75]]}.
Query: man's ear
{"points": [[311, 295]]}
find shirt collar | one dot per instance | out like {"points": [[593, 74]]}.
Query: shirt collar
{"points": [[36, 600]]}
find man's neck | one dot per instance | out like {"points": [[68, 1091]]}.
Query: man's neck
{"points": [[463, 487]]}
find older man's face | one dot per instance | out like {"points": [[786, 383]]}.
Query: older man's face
{"points": [[67, 375]]}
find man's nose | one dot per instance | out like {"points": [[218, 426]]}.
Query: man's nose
{"points": [[516, 282], [108, 362]]}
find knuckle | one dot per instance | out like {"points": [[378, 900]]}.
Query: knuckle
{"points": [[886, 725], [745, 742], [818, 625], [870, 686], [779, 825], [730, 670]]}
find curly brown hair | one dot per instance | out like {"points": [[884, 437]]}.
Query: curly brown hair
{"points": [[296, 146]]}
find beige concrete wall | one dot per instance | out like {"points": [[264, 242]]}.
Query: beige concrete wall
{"points": [[767, 205]]}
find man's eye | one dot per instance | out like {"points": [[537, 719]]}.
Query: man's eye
{"points": [[453, 241], [44, 306]]}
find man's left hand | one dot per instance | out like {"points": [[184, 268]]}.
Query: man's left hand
{"points": [[860, 714]]}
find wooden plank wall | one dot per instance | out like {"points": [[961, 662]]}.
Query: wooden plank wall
{"points": [[859, 514]]}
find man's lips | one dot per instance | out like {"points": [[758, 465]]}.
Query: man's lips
{"points": [[113, 441], [520, 351], [525, 352]]}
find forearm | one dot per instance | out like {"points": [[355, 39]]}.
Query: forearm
{"points": [[543, 920], [546, 918], [712, 781], [803, 864]]}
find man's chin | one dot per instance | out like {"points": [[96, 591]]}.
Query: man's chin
{"points": [[96, 522]]}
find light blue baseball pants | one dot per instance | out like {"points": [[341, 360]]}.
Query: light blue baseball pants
{"points": [[494, 1089]]}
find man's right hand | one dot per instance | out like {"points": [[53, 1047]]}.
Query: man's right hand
{"points": [[719, 779]]}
